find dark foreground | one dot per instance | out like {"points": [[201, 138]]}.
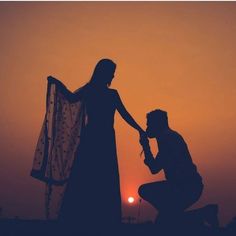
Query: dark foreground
{"points": [[15, 227]]}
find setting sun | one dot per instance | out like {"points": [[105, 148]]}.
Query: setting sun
{"points": [[130, 199]]}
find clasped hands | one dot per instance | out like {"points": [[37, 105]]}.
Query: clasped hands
{"points": [[143, 140]]}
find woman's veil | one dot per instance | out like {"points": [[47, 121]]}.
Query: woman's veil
{"points": [[57, 144]]}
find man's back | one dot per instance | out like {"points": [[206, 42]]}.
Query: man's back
{"points": [[176, 159]]}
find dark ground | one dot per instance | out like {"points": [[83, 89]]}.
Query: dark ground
{"points": [[17, 227]]}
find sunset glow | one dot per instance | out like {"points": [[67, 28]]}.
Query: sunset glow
{"points": [[176, 56]]}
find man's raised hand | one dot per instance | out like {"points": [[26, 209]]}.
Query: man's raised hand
{"points": [[144, 141]]}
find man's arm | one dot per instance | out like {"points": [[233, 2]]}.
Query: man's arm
{"points": [[154, 164]]}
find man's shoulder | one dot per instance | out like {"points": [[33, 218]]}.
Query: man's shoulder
{"points": [[173, 138], [173, 135]]}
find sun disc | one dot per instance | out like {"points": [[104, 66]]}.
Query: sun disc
{"points": [[130, 199]]}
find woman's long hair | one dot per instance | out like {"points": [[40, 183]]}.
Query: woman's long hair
{"points": [[101, 77], [102, 73]]}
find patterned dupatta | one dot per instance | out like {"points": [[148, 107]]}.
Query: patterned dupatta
{"points": [[58, 142]]}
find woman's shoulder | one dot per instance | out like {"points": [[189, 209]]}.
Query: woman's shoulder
{"points": [[83, 90], [113, 92]]}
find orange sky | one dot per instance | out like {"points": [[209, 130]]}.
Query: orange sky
{"points": [[179, 57]]}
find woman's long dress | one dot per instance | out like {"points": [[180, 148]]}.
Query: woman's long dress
{"points": [[92, 196]]}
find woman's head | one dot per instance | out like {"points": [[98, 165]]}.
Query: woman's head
{"points": [[103, 73]]}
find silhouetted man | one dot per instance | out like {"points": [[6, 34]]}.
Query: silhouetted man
{"points": [[183, 185]]}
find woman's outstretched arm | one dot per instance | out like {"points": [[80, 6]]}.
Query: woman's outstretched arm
{"points": [[125, 114], [71, 97]]}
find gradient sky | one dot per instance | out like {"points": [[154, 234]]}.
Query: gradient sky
{"points": [[179, 57]]}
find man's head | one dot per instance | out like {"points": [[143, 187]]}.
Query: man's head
{"points": [[157, 121]]}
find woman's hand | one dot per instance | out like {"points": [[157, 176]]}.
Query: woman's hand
{"points": [[144, 140], [142, 133], [56, 82], [53, 80]]}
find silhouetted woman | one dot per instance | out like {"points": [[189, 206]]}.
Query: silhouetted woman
{"points": [[93, 191]]}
